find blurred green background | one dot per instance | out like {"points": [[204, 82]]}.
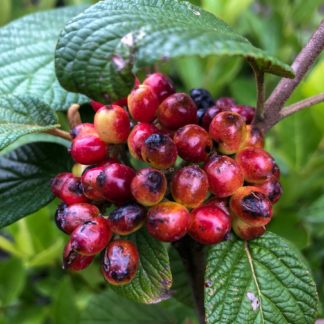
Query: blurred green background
{"points": [[34, 289]]}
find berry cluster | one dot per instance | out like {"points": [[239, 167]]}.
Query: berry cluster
{"points": [[207, 172]]}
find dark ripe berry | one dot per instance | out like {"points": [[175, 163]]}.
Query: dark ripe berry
{"points": [[143, 104], [74, 261], [120, 262], [68, 218], [251, 205], [176, 111], [224, 175], [114, 183], [137, 136], [72, 192], [168, 221], [247, 112], [208, 116], [202, 98], [245, 231], [127, 219], [112, 124], [193, 143], [257, 165], [89, 183], [225, 103], [254, 137], [276, 171], [88, 149], [83, 129], [209, 225], [222, 203], [58, 181], [159, 151], [228, 129], [189, 186], [161, 85], [96, 105], [149, 186], [78, 169], [272, 188], [91, 237]]}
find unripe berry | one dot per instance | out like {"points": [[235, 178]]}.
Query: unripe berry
{"points": [[168, 221], [189, 186], [221, 203], [254, 137], [193, 143], [149, 186], [127, 219], [112, 124], [120, 262], [159, 151], [83, 129], [224, 175], [176, 111], [272, 188], [245, 231], [160, 84], [78, 169], [246, 112], [74, 261], [251, 205], [209, 225]]}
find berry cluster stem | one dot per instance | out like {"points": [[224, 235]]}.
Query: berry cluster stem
{"points": [[259, 76]]}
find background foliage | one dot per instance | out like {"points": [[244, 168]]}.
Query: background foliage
{"points": [[33, 288]]}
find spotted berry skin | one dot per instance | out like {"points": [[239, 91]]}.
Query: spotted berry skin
{"points": [[202, 98], [176, 111], [91, 237], [159, 151], [246, 112], [160, 84], [251, 205], [168, 221], [221, 203], [112, 124], [189, 186], [224, 175], [120, 262], [193, 143], [83, 129], [137, 136], [245, 231], [74, 261], [272, 188], [254, 137], [149, 186], [208, 116], [127, 219], [209, 225], [58, 181], [90, 186]]}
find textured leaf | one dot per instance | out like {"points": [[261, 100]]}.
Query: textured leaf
{"points": [[21, 115], [154, 279], [98, 50], [262, 281], [25, 176], [27, 57]]}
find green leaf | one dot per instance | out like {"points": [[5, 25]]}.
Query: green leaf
{"points": [[25, 178], [21, 115], [27, 60], [98, 51], [261, 281], [154, 279]]}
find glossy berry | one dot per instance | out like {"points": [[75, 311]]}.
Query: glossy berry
{"points": [[168, 221], [91, 188], [68, 218], [74, 261], [96, 105], [228, 129], [208, 116], [193, 143], [91, 237], [159, 151], [225, 103], [209, 225], [257, 165], [254, 137], [176, 111], [224, 175], [202, 98], [112, 124], [272, 188], [160, 84], [58, 181], [251, 205], [246, 112], [149, 186], [222, 203], [120, 262], [137, 136], [189, 186], [143, 104], [83, 129], [127, 219], [245, 231]]}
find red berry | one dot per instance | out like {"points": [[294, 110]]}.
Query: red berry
{"points": [[251, 205], [91, 237], [168, 221], [189, 186], [193, 143], [209, 225], [272, 188], [246, 112], [58, 181], [245, 231], [121, 102], [159, 151], [83, 129], [149, 186], [112, 124], [68, 218], [161, 85], [90, 186], [120, 262], [176, 111], [221, 203], [224, 175], [225, 103], [254, 137], [74, 261], [208, 116], [127, 219], [96, 105]]}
